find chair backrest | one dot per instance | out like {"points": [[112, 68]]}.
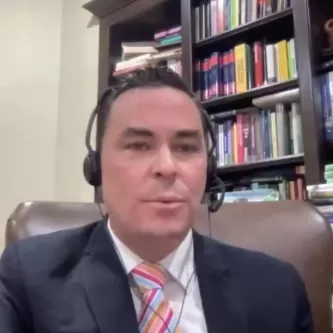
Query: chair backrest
{"points": [[41, 217], [293, 231]]}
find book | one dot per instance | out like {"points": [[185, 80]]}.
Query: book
{"points": [[326, 103]]}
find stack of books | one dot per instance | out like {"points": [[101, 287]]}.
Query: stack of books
{"points": [[170, 58], [168, 37]]}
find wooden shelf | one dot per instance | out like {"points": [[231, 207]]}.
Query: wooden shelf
{"points": [[244, 29], [245, 99], [276, 162], [102, 9]]}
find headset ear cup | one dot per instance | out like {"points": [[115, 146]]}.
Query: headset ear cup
{"points": [[92, 169], [211, 172], [211, 159]]}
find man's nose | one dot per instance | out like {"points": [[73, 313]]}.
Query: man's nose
{"points": [[164, 164]]}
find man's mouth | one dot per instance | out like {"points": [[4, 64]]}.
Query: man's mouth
{"points": [[167, 201]]}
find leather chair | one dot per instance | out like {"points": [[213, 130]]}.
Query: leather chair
{"points": [[293, 231]]}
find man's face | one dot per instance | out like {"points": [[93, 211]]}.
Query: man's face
{"points": [[154, 161]]}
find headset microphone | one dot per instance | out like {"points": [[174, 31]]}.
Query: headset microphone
{"points": [[214, 183], [217, 191]]}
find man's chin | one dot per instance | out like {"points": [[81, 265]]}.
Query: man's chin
{"points": [[162, 228], [163, 222], [167, 233]]}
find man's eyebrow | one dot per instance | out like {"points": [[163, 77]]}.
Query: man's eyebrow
{"points": [[132, 132], [136, 132], [188, 134]]}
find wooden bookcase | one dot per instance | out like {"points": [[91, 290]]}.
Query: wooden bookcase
{"points": [[128, 20]]}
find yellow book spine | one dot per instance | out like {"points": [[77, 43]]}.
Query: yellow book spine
{"points": [[241, 68], [282, 60], [236, 13]]}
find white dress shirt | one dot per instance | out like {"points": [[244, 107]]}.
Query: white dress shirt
{"points": [[181, 287]]}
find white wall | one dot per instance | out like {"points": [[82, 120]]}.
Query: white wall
{"points": [[48, 85], [78, 95]]}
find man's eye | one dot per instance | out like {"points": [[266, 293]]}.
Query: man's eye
{"points": [[187, 148], [137, 146]]}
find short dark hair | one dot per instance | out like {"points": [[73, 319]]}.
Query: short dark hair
{"points": [[144, 78]]}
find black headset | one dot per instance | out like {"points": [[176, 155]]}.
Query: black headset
{"points": [[92, 170], [92, 162]]}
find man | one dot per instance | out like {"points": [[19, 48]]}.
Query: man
{"points": [[144, 269]]}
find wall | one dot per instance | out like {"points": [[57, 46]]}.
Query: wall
{"points": [[48, 86], [78, 95]]}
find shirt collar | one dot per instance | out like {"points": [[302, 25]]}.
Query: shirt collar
{"points": [[179, 263]]}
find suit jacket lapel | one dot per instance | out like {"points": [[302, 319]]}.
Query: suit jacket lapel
{"points": [[106, 285], [222, 303]]}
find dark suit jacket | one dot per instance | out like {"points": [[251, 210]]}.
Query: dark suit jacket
{"points": [[73, 282]]}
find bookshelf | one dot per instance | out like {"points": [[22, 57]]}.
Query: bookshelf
{"points": [[291, 160], [240, 100], [301, 22], [267, 22]]}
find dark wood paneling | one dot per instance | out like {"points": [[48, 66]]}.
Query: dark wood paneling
{"points": [[118, 11], [103, 65], [136, 9], [309, 93], [103, 8], [187, 41]]}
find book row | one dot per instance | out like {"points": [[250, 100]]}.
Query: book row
{"points": [[213, 17], [271, 190], [245, 67], [252, 135]]}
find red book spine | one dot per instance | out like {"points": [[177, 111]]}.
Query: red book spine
{"points": [[258, 64], [232, 72], [220, 16]]}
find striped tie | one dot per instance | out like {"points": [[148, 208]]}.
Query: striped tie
{"points": [[156, 315]]}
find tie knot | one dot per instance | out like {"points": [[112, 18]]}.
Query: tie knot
{"points": [[149, 276]]}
